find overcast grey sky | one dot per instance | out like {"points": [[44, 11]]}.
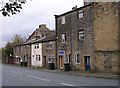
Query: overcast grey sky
{"points": [[33, 14]]}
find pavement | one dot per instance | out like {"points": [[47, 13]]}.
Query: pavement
{"points": [[86, 74], [78, 73]]}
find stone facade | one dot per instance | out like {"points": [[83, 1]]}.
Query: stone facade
{"points": [[99, 50], [49, 51], [106, 32], [73, 46], [24, 51]]}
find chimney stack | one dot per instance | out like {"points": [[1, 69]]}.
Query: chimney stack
{"points": [[42, 25], [73, 8]]}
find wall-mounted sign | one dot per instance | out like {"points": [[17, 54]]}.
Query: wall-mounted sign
{"points": [[61, 52]]}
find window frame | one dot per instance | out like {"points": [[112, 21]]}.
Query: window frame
{"points": [[63, 20], [80, 35], [36, 57], [39, 58], [63, 37], [66, 59], [51, 59], [76, 58], [80, 14]]}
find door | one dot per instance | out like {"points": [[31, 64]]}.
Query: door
{"points": [[87, 63], [61, 62], [44, 62]]}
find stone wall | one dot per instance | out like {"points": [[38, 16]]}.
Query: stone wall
{"points": [[105, 26], [73, 46]]}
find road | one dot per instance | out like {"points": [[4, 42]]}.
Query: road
{"points": [[18, 76]]}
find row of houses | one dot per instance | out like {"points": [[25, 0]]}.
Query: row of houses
{"points": [[87, 38]]}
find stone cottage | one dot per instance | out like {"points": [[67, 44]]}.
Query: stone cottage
{"points": [[87, 37]]}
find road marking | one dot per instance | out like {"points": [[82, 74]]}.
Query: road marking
{"points": [[67, 84], [38, 78], [17, 73]]}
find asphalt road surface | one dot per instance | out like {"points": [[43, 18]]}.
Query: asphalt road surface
{"points": [[20, 76]]}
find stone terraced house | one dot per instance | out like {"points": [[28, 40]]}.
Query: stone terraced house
{"points": [[25, 52], [87, 37]]}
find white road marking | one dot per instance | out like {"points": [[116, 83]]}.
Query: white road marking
{"points": [[17, 73], [67, 84], [38, 78]]}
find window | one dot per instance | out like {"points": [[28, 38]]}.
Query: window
{"points": [[51, 59], [43, 35], [80, 35], [39, 58], [77, 58], [49, 45], [63, 20], [36, 46], [33, 55], [67, 59], [80, 14], [63, 38], [36, 57]]}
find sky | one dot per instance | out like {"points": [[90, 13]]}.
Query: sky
{"points": [[34, 13]]}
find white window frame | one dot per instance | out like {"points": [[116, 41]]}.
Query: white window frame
{"points": [[37, 45], [81, 35], [66, 59], [63, 19], [63, 38], [80, 14], [49, 45], [51, 59], [76, 59], [36, 57]]}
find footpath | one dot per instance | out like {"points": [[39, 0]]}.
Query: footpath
{"points": [[86, 74]]}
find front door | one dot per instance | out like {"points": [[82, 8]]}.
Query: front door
{"points": [[87, 63], [61, 62], [44, 62]]}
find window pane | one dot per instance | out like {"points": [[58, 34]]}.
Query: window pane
{"points": [[49, 59], [81, 14], [39, 58], [36, 57], [81, 35], [66, 59], [63, 20], [63, 38], [78, 58]]}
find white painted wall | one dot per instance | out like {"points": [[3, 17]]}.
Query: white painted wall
{"points": [[36, 52]]}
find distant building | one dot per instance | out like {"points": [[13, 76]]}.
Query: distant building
{"points": [[49, 51], [30, 51], [87, 37]]}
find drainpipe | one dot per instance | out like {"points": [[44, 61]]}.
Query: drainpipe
{"points": [[56, 65], [71, 59]]}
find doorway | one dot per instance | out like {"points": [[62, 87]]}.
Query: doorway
{"points": [[87, 63], [61, 62], [44, 62]]}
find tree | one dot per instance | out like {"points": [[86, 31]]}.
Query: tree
{"points": [[11, 7], [17, 39], [8, 49]]}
